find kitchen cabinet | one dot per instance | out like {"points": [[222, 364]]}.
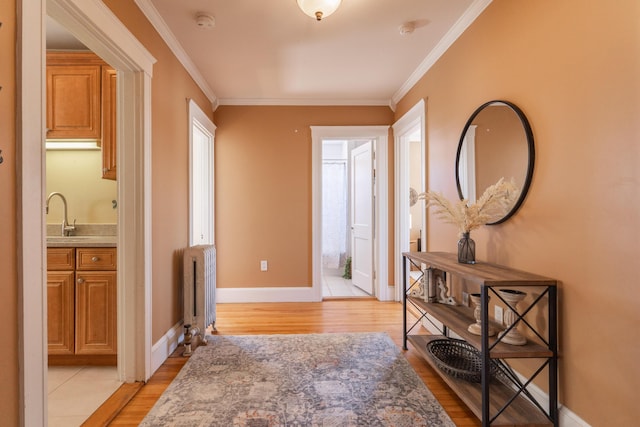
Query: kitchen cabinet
{"points": [[108, 123], [82, 306], [73, 95], [60, 300], [81, 102]]}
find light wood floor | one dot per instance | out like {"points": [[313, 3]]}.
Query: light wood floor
{"points": [[349, 315]]}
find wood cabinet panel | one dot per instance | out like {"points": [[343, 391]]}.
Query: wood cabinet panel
{"points": [[96, 312], [73, 101], [60, 312], [82, 305], [96, 259], [61, 259], [108, 123]]}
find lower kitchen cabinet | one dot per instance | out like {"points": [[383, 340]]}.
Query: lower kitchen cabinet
{"points": [[82, 306]]}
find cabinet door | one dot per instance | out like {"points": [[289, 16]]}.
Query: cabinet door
{"points": [[60, 312], [73, 101], [108, 123], [96, 312]]}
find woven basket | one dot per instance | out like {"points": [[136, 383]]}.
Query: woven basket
{"points": [[459, 359]]}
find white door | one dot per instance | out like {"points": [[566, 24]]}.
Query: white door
{"points": [[201, 224], [362, 217]]}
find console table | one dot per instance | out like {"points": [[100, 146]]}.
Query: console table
{"points": [[506, 401]]}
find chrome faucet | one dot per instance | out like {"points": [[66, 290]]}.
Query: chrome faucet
{"points": [[66, 228]]}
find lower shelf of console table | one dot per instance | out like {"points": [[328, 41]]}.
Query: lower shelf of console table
{"points": [[521, 412]]}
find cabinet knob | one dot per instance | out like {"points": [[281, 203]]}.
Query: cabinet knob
{"points": [[80, 280], [95, 259]]}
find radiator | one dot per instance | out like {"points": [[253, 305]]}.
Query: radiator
{"points": [[200, 287]]}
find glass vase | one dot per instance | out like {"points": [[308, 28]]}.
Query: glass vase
{"points": [[466, 250]]}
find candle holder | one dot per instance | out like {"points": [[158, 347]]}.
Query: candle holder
{"points": [[512, 336], [476, 328]]}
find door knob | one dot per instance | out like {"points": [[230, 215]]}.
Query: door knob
{"points": [[80, 280]]}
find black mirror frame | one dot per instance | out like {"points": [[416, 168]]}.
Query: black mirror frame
{"points": [[531, 152]]}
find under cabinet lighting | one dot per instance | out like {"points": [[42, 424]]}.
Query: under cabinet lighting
{"points": [[72, 145]]}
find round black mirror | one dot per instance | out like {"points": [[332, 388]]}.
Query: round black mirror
{"points": [[496, 142]]}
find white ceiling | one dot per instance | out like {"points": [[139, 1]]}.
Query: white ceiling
{"points": [[269, 52]]}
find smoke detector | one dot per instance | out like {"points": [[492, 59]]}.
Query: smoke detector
{"points": [[205, 21], [407, 28]]}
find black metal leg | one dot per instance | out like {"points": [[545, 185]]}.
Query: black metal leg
{"points": [[404, 302]]}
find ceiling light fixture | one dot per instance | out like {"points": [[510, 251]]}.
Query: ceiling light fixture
{"points": [[318, 8]]}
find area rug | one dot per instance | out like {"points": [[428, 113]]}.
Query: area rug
{"points": [[326, 380]]}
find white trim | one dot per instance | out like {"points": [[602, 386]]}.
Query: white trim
{"points": [[154, 17], [306, 102], [293, 294], [31, 255], [470, 15], [166, 345], [381, 245], [401, 128], [98, 28]]}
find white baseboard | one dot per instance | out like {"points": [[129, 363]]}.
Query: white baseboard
{"points": [[293, 294], [165, 346]]}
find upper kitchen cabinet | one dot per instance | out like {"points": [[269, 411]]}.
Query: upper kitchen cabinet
{"points": [[108, 123], [81, 102], [73, 95]]}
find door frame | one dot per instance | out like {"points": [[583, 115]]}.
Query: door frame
{"points": [[197, 117], [381, 239], [402, 128], [100, 30]]}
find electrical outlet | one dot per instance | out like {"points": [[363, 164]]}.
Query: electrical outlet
{"points": [[264, 266], [497, 314], [465, 299]]}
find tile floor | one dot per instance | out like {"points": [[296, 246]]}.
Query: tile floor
{"points": [[75, 392], [333, 285]]}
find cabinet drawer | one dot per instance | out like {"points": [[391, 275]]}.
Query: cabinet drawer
{"points": [[96, 259], [61, 259]]}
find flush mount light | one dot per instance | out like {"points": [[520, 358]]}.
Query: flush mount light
{"points": [[318, 8]]}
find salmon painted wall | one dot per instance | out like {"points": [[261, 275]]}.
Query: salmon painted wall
{"points": [[9, 391], [171, 85], [263, 189], [573, 68]]}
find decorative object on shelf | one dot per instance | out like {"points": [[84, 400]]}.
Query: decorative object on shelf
{"points": [[511, 335], [438, 285], [319, 8], [492, 205], [459, 359], [466, 249], [476, 328]]}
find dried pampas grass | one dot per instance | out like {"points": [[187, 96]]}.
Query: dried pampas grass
{"points": [[494, 203]]}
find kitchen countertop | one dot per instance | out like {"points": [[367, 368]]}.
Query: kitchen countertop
{"points": [[82, 241]]}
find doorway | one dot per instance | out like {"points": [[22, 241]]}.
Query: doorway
{"points": [[93, 24], [339, 265], [332, 194], [201, 177], [410, 180]]}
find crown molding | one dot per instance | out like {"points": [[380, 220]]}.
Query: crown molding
{"points": [[305, 102], [443, 45], [152, 14]]}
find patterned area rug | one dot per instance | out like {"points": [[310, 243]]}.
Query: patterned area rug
{"points": [[327, 380]]}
